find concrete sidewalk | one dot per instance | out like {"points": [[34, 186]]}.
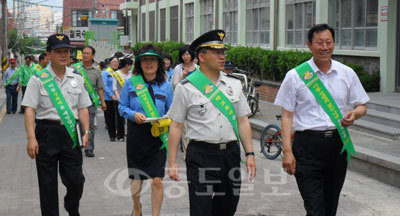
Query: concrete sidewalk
{"points": [[106, 192]]}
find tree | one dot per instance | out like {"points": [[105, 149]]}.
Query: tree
{"points": [[24, 45]]}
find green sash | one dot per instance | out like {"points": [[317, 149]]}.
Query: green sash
{"points": [[93, 94], [64, 111], [326, 101], [148, 105], [12, 78], [211, 91]]}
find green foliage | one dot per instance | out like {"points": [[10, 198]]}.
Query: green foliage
{"points": [[269, 64], [25, 45], [370, 82], [171, 47]]}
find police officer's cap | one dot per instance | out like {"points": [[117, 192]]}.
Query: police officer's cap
{"points": [[229, 64], [56, 41], [212, 40]]}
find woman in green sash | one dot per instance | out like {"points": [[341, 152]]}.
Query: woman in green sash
{"points": [[146, 159]]}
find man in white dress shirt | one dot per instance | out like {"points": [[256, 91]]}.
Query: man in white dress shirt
{"points": [[315, 158]]}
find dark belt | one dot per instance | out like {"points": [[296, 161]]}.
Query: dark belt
{"points": [[214, 146], [326, 133], [13, 85], [50, 122]]}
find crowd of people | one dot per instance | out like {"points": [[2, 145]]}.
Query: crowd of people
{"points": [[160, 104]]}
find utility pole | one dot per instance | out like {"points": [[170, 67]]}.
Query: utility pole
{"points": [[4, 35]]}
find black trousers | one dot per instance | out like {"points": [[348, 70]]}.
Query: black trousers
{"points": [[22, 109], [320, 171], [109, 115], [213, 178], [120, 122], [55, 150]]}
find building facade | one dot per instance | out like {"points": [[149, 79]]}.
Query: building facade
{"points": [[76, 15], [367, 31]]}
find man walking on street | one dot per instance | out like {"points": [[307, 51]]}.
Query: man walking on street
{"points": [[43, 61], [25, 72], [214, 126], [58, 97], [315, 97], [10, 81], [95, 87]]}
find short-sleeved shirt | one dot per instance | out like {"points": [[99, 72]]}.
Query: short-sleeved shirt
{"points": [[8, 74], [116, 85], [94, 75], [342, 83], [204, 121], [129, 103], [72, 87]]}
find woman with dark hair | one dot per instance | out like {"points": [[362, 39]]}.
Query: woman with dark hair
{"points": [[145, 155], [120, 77], [109, 97], [168, 66], [186, 66]]}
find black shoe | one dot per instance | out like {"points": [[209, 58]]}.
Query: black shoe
{"points": [[8, 112], [22, 112], [89, 153], [121, 139], [112, 139], [13, 112]]}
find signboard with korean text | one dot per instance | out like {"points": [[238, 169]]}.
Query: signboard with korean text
{"points": [[76, 33]]}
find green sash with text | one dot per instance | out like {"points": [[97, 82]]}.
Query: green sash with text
{"points": [[12, 78], [64, 111], [148, 105], [326, 101], [93, 94], [211, 91]]}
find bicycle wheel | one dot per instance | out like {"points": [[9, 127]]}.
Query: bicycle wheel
{"points": [[271, 142], [253, 104]]}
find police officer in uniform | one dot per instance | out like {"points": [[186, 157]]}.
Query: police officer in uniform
{"points": [[213, 153], [49, 142]]}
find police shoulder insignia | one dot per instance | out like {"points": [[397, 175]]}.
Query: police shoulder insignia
{"points": [[307, 75], [184, 81]]}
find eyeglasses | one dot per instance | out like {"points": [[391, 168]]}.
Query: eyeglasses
{"points": [[217, 52]]}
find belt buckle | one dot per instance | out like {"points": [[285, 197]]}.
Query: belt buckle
{"points": [[329, 133], [222, 146]]}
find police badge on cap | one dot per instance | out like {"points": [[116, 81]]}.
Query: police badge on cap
{"points": [[212, 40], [56, 41]]}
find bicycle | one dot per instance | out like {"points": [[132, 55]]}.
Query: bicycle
{"points": [[249, 90], [271, 140]]}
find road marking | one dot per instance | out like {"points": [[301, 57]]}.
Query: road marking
{"points": [[3, 112]]}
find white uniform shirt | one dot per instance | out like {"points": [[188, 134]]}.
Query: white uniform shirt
{"points": [[72, 87], [342, 83], [116, 85], [204, 121]]}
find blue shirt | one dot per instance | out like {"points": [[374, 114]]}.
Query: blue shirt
{"points": [[170, 72], [8, 74], [108, 85], [129, 103]]}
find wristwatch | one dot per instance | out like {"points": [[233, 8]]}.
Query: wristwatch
{"points": [[86, 132], [249, 153]]}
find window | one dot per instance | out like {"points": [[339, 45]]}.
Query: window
{"points": [[173, 34], [143, 26], [355, 23], [163, 23], [189, 11], [257, 22], [231, 20], [206, 15], [152, 26], [300, 17], [80, 18], [117, 14]]}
